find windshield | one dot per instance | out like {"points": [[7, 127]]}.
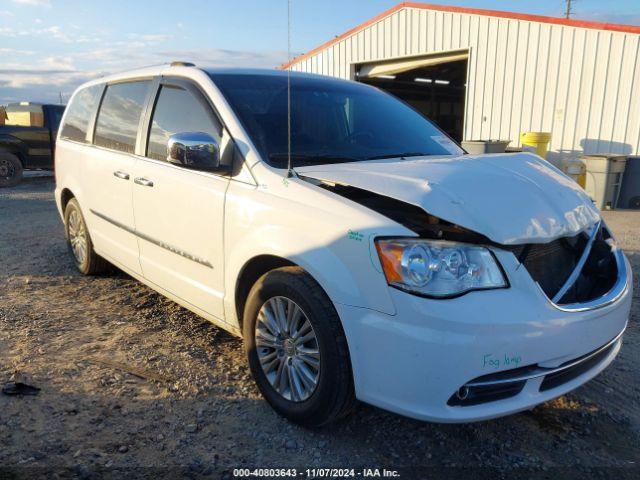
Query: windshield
{"points": [[331, 120]]}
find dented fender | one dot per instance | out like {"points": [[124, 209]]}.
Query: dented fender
{"points": [[334, 247]]}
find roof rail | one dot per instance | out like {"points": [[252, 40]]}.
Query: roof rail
{"points": [[182, 64]]}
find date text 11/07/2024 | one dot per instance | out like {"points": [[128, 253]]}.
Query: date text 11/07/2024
{"points": [[316, 473]]}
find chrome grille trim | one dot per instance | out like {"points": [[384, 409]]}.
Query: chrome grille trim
{"points": [[619, 288], [578, 269]]}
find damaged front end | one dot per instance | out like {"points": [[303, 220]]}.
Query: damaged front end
{"points": [[406, 214], [575, 273]]}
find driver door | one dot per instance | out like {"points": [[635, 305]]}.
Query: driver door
{"points": [[179, 211]]}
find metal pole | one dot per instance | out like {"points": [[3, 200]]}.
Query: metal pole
{"points": [[568, 12]]}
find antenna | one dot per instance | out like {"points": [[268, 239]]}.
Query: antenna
{"points": [[289, 168]]}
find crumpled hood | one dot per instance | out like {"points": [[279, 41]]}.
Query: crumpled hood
{"points": [[509, 198]]}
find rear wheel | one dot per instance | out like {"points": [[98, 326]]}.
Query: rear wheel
{"points": [[296, 348], [79, 241], [10, 170]]}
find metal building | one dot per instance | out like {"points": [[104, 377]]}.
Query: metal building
{"points": [[484, 74]]}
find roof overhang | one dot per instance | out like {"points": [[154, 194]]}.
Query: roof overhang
{"points": [[404, 64]]}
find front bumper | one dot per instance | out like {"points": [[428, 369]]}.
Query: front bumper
{"points": [[413, 362]]}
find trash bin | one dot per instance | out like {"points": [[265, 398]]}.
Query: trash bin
{"points": [[536, 142], [576, 169], [478, 147], [604, 176], [630, 190]]}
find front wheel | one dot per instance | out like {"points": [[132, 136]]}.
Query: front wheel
{"points": [[10, 170], [296, 348]]}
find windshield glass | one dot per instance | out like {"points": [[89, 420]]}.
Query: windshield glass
{"points": [[331, 120]]}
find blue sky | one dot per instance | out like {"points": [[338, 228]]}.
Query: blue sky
{"points": [[51, 46]]}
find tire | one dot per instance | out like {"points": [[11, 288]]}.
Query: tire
{"points": [[333, 395], [10, 170], [87, 261]]}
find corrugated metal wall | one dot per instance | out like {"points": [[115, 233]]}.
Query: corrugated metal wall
{"points": [[582, 85]]}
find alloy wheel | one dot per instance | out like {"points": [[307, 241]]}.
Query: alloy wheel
{"points": [[77, 236], [287, 348]]}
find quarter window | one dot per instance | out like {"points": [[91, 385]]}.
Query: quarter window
{"points": [[117, 126], [79, 114], [179, 111]]}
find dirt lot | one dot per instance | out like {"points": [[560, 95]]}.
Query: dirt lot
{"points": [[129, 380]]}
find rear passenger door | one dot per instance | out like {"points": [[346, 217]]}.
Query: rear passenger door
{"points": [[110, 170], [179, 211]]}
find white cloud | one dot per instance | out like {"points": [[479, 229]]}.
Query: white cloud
{"points": [[60, 63], [150, 37], [35, 3], [6, 13], [13, 51], [216, 57], [55, 31], [43, 78]]}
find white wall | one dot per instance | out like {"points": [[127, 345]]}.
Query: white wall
{"points": [[582, 85]]}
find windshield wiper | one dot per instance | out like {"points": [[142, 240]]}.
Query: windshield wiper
{"points": [[398, 155], [300, 159]]}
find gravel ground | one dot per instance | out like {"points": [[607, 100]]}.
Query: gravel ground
{"points": [[132, 382]]}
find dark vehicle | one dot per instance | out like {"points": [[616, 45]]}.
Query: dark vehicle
{"points": [[27, 139]]}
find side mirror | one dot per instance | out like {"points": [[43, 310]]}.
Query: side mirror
{"points": [[197, 150]]}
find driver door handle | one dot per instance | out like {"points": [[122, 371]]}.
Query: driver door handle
{"points": [[122, 175], [143, 181]]}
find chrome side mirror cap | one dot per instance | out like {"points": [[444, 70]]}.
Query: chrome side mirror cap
{"points": [[196, 150]]}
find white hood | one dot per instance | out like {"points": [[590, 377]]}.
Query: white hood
{"points": [[510, 198]]}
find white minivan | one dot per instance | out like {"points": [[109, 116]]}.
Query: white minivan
{"points": [[356, 248]]}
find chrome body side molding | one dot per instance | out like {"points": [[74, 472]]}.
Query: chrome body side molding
{"points": [[155, 241]]}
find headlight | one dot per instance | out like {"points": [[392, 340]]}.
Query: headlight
{"points": [[437, 268]]}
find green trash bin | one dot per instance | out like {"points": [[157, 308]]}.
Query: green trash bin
{"points": [[604, 178]]}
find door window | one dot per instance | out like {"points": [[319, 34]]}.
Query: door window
{"points": [[117, 126], [178, 110]]}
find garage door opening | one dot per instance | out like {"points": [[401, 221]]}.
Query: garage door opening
{"points": [[435, 86]]}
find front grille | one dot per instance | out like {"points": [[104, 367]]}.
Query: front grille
{"points": [[551, 264], [598, 276]]}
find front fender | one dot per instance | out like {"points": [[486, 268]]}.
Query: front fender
{"points": [[333, 249]]}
